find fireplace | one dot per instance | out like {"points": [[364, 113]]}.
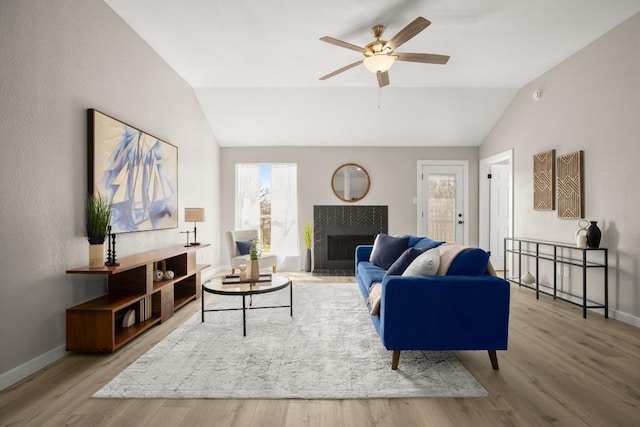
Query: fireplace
{"points": [[337, 232], [342, 247]]}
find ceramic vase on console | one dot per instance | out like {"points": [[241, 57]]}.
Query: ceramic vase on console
{"points": [[593, 235], [528, 278], [581, 233], [96, 255], [254, 266]]}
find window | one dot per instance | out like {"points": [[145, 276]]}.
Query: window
{"points": [[267, 200], [265, 207]]}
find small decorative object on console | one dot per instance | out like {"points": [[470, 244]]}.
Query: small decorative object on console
{"points": [[581, 233], [129, 319], [159, 271], [528, 278], [593, 235], [187, 233], [111, 252]]}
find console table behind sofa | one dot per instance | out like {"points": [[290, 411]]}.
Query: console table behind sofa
{"points": [[584, 258]]}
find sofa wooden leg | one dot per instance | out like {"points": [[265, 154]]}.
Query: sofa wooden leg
{"points": [[494, 359], [274, 269], [233, 270], [395, 359]]}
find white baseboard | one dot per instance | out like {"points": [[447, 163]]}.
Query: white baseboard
{"points": [[21, 372], [624, 317]]}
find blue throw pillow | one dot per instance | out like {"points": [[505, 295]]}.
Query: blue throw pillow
{"points": [[244, 247], [407, 257], [413, 239], [387, 249], [470, 262], [427, 243]]}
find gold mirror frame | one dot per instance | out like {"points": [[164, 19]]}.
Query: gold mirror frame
{"points": [[357, 179]]}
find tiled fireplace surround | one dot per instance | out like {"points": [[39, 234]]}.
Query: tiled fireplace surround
{"points": [[338, 229]]}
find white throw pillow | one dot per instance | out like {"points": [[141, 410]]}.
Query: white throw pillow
{"points": [[425, 265]]}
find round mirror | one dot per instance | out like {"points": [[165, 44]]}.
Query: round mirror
{"points": [[350, 182]]}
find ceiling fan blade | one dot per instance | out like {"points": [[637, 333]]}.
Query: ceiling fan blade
{"points": [[348, 67], [407, 33], [340, 43], [422, 57], [383, 78]]}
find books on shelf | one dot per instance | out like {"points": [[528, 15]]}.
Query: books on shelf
{"points": [[145, 308]]}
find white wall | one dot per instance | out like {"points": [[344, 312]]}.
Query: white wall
{"points": [[392, 171], [590, 102], [56, 60]]}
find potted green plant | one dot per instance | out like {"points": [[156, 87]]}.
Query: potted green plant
{"points": [[254, 254], [307, 231], [98, 219]]}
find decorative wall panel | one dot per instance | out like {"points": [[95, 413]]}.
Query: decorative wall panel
{"points": [[544, 181], [570, 185]]}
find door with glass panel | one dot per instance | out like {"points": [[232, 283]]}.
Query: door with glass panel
{"points": [[442, 211]]}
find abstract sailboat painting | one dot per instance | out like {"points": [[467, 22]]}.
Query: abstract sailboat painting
{"points": [[136, 171]]}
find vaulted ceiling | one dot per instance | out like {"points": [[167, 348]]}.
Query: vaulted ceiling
{"points": [[255, 65]]}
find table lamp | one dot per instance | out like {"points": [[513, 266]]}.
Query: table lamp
{"points": [[194, 215]]}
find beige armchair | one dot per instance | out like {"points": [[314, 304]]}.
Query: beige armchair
{"points": [[265, 260]]}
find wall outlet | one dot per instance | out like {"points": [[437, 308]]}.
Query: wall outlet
{"points": [[565, 270]]}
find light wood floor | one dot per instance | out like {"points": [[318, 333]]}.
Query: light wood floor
{"points": [[560, 370]]}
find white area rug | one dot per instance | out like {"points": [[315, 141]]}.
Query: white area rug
{"points": [[328, 350]]}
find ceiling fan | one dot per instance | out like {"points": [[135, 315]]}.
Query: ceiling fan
{"points": [[380, 55]]}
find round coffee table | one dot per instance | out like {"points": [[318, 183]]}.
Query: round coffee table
{"points": [[216, 286]]}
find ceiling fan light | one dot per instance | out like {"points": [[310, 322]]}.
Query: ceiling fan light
{"points": [[380, 63]]}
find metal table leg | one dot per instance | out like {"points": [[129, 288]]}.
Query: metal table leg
{"points": [[244, 317], [202, 303]]}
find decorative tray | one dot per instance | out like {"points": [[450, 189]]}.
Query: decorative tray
{"points": [[234, 279]]}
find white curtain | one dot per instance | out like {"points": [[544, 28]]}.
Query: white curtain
{"points": [[284, 216], [247, 196]]}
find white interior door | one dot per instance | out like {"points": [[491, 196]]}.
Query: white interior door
{"points": [[485, 229], [442, 208], [498, 213]]}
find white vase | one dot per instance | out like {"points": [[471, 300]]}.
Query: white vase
{"points": [[528, 278], [96, 255], [581, 233]]}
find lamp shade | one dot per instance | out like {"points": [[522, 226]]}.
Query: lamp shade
{"points": [[194, 214], [379, 62]]}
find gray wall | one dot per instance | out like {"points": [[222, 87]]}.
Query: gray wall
{"points": [[58, 59], [590, 102], [392, 171]]}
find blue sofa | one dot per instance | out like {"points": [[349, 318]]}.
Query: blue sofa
{"points": [[449, 312]]}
